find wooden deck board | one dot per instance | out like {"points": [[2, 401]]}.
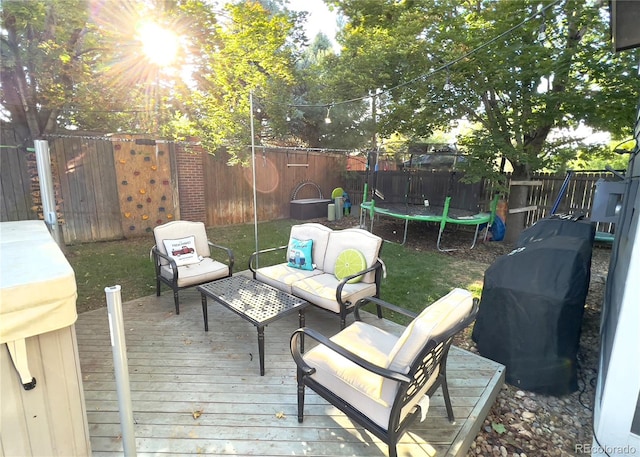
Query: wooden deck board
{"points": [[177, 369]]}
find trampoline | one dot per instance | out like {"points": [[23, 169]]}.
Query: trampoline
{"points": [[403, 197], [441, 215]]}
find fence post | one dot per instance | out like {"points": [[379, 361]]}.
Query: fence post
{"points": [[43, 163], [121, 368]]}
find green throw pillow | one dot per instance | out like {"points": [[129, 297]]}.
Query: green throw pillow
{"points": [[349, 262]]}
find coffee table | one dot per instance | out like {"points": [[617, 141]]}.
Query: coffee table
{"points": [[254, 301]]}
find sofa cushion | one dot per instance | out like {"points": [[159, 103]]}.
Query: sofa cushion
{"points": [[365, 242], [321, 291], [433, 320], [320, 236], [281, 276], [205, 270]]}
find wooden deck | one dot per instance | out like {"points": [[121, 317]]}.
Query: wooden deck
{"points": [[201, 393]]}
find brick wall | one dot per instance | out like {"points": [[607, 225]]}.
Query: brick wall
{"points": [[191, 183], [32, 170]]}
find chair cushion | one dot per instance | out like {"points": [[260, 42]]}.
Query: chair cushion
{"points": [[361, 388], [321, 291], [205, 270], [281, 276], [433, 320], [365, 242], [179, 229], [371, 394], [320, 236]]}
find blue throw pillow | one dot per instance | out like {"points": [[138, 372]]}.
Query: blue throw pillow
{"points": [[299, 254]]}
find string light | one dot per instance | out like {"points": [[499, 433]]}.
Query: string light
{"points": [[327, 119], [543, 27], [447, 85]]}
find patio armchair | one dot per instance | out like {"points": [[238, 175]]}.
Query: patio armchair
{"points": [[182, 257], [379, 380]]}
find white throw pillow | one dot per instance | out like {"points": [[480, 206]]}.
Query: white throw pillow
{"points": [[182, 250]]}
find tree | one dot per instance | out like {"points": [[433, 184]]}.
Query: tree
{"points": [[45, 49], [252, 51], [519, 69], [313, 100], [72, 62], [80, 64], [261, 48]]}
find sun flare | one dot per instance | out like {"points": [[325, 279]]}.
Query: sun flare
{"points": [[159, 44]]}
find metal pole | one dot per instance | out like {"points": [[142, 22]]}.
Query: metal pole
{"points": [[563, 189], [121, 367], [253, 167], [43, 162], [374, 117]]}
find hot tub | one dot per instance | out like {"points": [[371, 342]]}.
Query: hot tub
{"points": [[43, 410]]}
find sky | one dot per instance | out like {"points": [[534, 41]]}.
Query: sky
{"points": [[320, 18]]}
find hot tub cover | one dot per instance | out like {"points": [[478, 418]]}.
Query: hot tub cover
{"points": [[37, 285]]}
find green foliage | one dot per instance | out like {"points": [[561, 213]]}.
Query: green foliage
{"points": [[428, 64], [252, 51], [616, 156], [72, 62], [498, 428], [46, 50], [313, 97], [500, 73]]}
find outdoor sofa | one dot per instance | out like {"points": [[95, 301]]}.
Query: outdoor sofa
{"points": [[331, 269]]}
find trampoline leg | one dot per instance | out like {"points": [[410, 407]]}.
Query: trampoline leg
{"points": [[486, 233], [438, 243], [406, 226], [475, 237]]}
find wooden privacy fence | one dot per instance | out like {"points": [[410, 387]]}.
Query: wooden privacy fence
{"points": [[229, 189], [18, 180], [111, 188], [122, 186], [577, 198]]}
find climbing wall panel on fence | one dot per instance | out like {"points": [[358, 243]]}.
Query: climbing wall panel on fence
{"points": [[144, 186]]}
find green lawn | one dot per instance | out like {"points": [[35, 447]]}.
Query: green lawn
{"points": [[414, 278]]}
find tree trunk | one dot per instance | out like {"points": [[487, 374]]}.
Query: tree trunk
{"points": [[518, 197], [515, 221]]}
